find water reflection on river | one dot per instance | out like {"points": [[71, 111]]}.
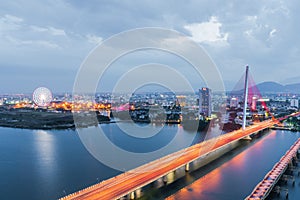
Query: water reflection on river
{"points": [[238, 175], [37, 164]]}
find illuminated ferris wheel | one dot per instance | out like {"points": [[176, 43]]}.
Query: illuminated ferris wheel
{"points": [[42, 96]]}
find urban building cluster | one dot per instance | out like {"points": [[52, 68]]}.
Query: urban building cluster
{"points": [[203, 105]]}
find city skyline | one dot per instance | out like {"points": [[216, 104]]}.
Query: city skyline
{"points": [[149, 99], [46, 48]]}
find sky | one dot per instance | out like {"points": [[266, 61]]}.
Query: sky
{"points": [[43, 43]]}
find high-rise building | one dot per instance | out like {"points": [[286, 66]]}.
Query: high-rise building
{"points": [[253, 103], [295, 103], [234, 102], [205, 106], [181, 100]]}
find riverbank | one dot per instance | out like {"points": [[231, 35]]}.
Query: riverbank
{"points": [[46, 120], [40, 119]]}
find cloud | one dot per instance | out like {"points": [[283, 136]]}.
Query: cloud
{"points": [[10, 23], [207, 32], [38, 28], [36, 43], [272, 33], [62, 32], [15, 31], [56, 31], [51, 30], [93, 39], [12, 18]]}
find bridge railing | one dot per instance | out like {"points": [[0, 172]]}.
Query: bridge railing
{"points": [[263, 189], [107, 183]]}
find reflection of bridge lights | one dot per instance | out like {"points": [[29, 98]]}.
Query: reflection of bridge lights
{"points": [[42, 96]]}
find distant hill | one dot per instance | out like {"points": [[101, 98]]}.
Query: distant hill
{"points": [[273, 87], [293, 87]]}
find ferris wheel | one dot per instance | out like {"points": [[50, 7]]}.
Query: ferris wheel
{"points": [[42, 96]]}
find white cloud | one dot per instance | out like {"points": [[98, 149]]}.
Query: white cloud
{"points": [[37, 43], [272, 33], [12, 18], [17, 33], [252, 19], [259, 32], [10, 23], [42, 43], [93, 39], [38, 29], [248, 33], [56, 31], [207, 31], [249, 27], [51, 30]]}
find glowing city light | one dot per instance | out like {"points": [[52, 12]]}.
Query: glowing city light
{"points": [[42, 96]]}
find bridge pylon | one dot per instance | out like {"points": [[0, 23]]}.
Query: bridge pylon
{"points": [[245, 98]]}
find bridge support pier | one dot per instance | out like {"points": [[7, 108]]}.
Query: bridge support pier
{"points": [[159, 182], [132, 195], [165, 179], [290, 164], [187, 167], [169, 178], [247, 138]]}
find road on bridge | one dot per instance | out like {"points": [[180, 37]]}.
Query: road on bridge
{"points": [[132, 180]]}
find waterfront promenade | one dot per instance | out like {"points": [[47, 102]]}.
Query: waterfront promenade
{"points": [[265, 187]]}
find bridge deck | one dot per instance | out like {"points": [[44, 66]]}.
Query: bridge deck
{"points": [[132, 180], [262, 190]]}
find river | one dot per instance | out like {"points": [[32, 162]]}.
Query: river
{"points": [[39, 164]]}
